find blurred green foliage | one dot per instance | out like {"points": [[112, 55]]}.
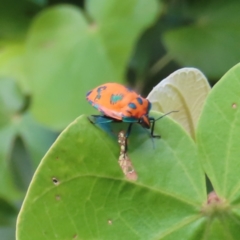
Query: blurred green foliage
{"points": [[53, 52]]}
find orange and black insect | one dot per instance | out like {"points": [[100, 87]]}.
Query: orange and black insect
{"points": [[119, 103]]}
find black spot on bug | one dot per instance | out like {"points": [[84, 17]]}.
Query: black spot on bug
{"points": [[140, 101], [88, 93], [55, 181], [129, 89], [149, 106], [132, 105], [130, 113], [99, 91]]}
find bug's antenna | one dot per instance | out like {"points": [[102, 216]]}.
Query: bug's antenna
{"points": [[153, 120], [164, 115]]}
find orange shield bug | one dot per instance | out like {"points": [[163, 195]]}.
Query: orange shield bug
{"points": [[119, 103]]}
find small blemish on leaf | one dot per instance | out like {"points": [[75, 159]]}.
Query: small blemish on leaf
{"points": [[109, 222], [93, 27], [47, 44], [234, 105], [55, 181], [58, 197], [75, 236]]}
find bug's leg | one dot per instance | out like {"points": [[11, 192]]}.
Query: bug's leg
{"points": [[96, 116], [100, 119], [127, 135], [152, 120], [92, 118]]}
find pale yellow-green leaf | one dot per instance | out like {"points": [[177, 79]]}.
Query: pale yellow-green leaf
{"points": [[185, 90]]}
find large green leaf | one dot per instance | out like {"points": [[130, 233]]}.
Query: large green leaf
{"points": [[68, 54], [210, 42], [218, 136], [218, 140], [79, 190]]}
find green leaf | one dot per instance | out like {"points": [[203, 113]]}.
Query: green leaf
{"points": [[67, 55], [122, 22], [185, 90], [200, 44], [218, 134], [217, 138], [79, 190], [222, 229]]}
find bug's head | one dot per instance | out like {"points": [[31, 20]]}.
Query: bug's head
{"points": [[144, 121]]}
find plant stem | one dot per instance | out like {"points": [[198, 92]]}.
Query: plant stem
{"points": [[160, 64]]}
